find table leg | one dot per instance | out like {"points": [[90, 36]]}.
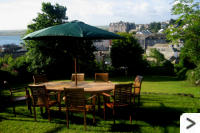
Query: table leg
{"points": [[59, 100], [99, 103]]}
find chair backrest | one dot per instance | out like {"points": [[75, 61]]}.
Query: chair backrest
{"points": [[15, 90], [7, 86], [74, 97], [137, 84], [122, 94], [39, 95], [39, 79], [101, 77], [80, 77]]}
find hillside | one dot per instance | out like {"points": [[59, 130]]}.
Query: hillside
{"points": [[12, 32], [22, 32], [105, 27]]}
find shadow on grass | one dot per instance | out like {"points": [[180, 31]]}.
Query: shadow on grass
{"points": [[157, 115], [125, 128], [74, 118], [153, 116], [160, 116], [4, 103]]}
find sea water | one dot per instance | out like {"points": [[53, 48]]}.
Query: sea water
{"points": [[10, 40]]}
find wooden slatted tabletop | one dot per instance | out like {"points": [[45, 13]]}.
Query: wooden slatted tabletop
{"points": [[89, 87]]}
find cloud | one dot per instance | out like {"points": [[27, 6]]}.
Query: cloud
{"points": [[102, 12], [17, 14]]}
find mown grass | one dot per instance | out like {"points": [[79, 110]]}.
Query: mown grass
{"points": [[163, 100]]}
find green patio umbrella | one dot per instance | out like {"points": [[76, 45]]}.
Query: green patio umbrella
{"points": [[76, 30]]}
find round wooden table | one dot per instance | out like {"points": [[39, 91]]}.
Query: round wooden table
{"points": [[89, 87]]}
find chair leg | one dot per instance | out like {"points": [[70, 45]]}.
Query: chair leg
{"points": [[34, 111], [130, 117], [85, 120], [114, 116], [67, 118], [104, 110], [29, 107], [99, 103], [14, 109], [41, 110], [28, 102], [94, 115], [48, 111], [133, 99], [139, 100]]}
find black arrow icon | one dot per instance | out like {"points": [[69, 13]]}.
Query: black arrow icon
{"points": [[192, 123]]}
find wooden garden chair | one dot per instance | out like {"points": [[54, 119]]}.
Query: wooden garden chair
{"points": [[41, 98], [121, 99], [80, 77], [137, 88], [76, 101], [37, 79], [14, 98], [42, 78], [101, 77]]}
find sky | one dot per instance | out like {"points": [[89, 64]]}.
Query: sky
{"points": [[17, 14]]}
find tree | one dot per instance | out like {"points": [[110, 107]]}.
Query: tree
{"points": [[127, 53], [54, 57], [155, 26], [40, 52], [51, 15], [187, 30], [172, 21], [157, 55]]}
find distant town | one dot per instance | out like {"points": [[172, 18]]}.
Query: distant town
{"points": [[147, 37]]}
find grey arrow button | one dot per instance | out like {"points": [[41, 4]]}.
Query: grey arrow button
{"points": [[192, 123]]}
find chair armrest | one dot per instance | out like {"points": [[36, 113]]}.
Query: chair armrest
{"points": [[107, 95], [93, 96], [136, 86], [17, 90], [52, 93]]}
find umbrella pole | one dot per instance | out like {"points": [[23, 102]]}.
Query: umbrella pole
{"points": [[75, 71]]}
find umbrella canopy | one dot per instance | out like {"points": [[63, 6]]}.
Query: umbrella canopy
{"points": [[73, 29], [76, 30]]}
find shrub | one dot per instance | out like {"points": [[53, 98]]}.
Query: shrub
{"points": [[193, 76], [14, 69], [160, 66]]}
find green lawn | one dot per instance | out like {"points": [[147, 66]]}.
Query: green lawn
{"points": [[163, 100]]}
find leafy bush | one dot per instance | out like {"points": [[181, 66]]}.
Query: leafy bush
{"points": [[182, 67], [193, 76], [160, 66], [159, 57], [14, 69]]}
